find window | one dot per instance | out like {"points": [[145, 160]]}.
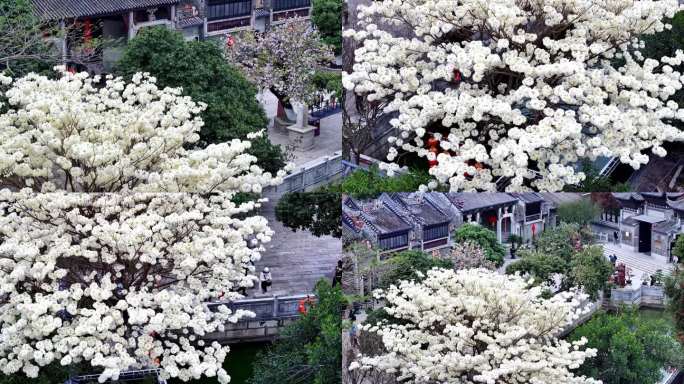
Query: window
{"points": [[436, 231], [393, 241], [280, 5], [226, 9]]}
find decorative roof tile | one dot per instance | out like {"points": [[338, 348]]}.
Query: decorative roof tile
{"points": [[69, 9]]}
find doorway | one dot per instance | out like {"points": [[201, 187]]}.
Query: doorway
{"points": [[644, 237]]}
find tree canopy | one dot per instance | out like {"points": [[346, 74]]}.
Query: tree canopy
{"points": [[674, 289], [580, 212], [317, 212], [555, 254], [484, 238], [519, 90], [474, 326], [310, 349], [630, 349], [201, 70], [327, 17]]}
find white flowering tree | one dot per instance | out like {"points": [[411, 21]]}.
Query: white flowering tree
{"points": [[88, 134], [120, 281], [518, 89], [283, 59], [97, 265], [468, 255], [475, 326]]}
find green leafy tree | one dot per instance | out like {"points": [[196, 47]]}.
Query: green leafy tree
{"points": [[410, 265], [590, 270], [371, 183], [678, 249], [308, 351], [580, 212], [199, 67], [329, 81], [631, 349], [674, 289], [22, 46], [317, 212], [327, 17], [555, 253], [539, 265], [483, 237]]}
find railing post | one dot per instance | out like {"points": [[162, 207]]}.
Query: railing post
{"points": [[275, 307]]}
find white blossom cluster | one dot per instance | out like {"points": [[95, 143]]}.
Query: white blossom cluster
{"points": [[116, 228], [88, 134], [518, 89], [476, 326], [283, 59], [121, 280]]}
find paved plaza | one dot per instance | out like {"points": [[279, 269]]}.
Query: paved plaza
{"points": [[640, 264], [327, 143], [297, 260]]}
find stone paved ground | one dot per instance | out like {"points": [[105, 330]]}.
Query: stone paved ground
{"points": [[329, 141], [297, 260], [641, 264]]}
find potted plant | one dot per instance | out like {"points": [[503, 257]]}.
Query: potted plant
{"points": [[515, 241]]}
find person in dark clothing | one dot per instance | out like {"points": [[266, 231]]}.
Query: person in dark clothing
{"points": [[615, 236], [337, 279], [266, 280]]}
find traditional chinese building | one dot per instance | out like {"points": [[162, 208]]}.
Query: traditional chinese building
{"points": [[425, 221], [117, 21], [649, 222]]}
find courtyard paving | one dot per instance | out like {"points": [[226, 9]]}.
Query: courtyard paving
{"points": [[329, 141], [640, 264], [297, 260]]}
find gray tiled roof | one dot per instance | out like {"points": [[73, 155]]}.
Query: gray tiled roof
{"points": [[261, 12], [558, 198], [67, 9], [190, 22], [376, 215], [472, 201], [628, 196], [669, 226], [528, 197], [412, 204]]}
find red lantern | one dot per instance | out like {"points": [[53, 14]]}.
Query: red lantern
{"points": [[492, 220], [457, 75], [534, 229]]}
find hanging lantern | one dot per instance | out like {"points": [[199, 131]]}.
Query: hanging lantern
{"points": [[492, 220], [534, 229], [433, 143]]}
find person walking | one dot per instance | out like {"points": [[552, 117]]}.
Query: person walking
{"points": [[615, 236], [337, 278], [354, 332], [266, 279], [613, 259]]}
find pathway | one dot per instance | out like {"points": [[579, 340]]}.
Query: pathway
{"points": [[329, 141], [641, 264], [297, 260]]}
